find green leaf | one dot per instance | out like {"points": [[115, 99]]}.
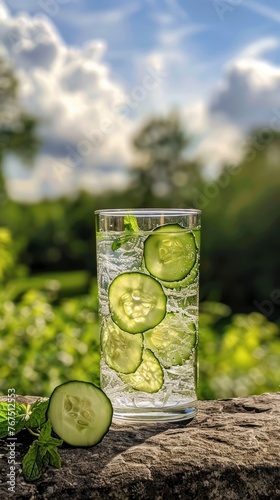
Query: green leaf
{"points": [[12, 418], [131, 226], [130, 223], [41, 453], [119, 242], [54, 457], [46, 459], [32, 464], [38, 415], [54, 442], [46, 438], [45, 432]]}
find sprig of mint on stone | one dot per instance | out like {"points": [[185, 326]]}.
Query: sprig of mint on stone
{"points": [[130, 227], [43, 451]]}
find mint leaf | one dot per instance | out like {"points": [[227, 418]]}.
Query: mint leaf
{"points": [[130, 223], [46, 438], [54, 457], [41, 453], [120, 242], [45, 433], [12, 418], [32, 464], [38, 415], [46, 459], [130, 226]]}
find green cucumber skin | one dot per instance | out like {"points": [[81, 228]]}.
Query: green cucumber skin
{"points": [[108, 401]]}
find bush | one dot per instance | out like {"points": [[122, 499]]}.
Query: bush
{"points": [[44, 345], [238, 357]]}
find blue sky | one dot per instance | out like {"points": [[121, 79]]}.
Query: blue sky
{"points": [[221, 58], [130, 26]]}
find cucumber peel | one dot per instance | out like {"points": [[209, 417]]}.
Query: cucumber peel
{"points": [[188, 280]]}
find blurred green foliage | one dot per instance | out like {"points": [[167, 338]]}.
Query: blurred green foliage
{"points": [[238, 356], [43, 345], [45, 341], [48, 304]]}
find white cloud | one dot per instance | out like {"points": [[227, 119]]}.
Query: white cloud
{"points": [[51, 179], [4, 13], [250, 91], [246, 98], [71, 92], [74, 94]]}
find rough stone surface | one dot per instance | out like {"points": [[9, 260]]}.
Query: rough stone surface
{"points": [[229, 452]]}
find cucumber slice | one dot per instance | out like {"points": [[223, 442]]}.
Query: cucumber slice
{"points": [[121, 350], [171, 341], [148, 377], [80, 413], [137, 302], [170, 252]]}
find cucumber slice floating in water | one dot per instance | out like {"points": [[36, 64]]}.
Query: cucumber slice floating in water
{"points": [[148, 377], [170, 252], [172, 341], [121, 350], [137, 302], [80, 413]]}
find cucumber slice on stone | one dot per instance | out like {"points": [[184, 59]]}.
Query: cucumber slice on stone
{"points": [[148, 377], [170, 252], [172, 341], [80, 413], [121, 350], [137, 302]]}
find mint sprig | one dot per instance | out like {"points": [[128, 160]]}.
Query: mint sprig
{"points": [[130, 223], [130, 226], [15, 417], [41, 453]]}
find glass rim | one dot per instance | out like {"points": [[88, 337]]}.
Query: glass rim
{"points": [[148, 212]]}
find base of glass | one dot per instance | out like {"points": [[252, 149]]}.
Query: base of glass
{"points": [[155, 414]]}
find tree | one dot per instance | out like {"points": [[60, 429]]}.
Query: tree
{"points": [[240, 253], [17, 128], [163, 171]]}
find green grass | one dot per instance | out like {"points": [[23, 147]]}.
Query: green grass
{"points": [[64, 284]]}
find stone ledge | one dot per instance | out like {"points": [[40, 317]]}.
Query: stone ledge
{"points": [[231, 451]]}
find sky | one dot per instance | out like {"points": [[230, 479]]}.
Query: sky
{"points": [[92, 72]]}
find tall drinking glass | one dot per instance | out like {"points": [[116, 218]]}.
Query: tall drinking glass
{"points": [[148, 277]]}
